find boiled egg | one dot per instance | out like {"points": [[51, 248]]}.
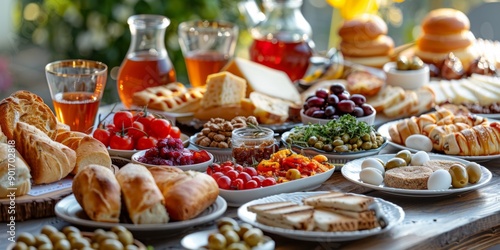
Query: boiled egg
{"points": [[419, 158], [419, 142], [373, 163], [439, 180], [371, 176]]}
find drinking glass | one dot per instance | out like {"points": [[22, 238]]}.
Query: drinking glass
{"points": [[76, 87], [206, 46]]}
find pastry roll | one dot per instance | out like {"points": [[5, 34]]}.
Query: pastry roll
{"points": [[144, 201], [98, 193]]}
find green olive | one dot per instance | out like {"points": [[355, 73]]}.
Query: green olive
{"points": [[42, 239], [338, 142], [62, 244], [227, 221], [238, 246], [27, 238], [56, 236], [110, 244], [98, 235], [79, 243], [216, 241], [402, 63], [69, 229], [231, 237], [416, 63], [20, 246], [312, 140], [119, 228], [328, 147], [345, 138], [125, 237], [367, 145], [353, 140], [405, 155], [341, 148], [48, 230], [253, 237], [244, 227], [226, 227], [459, 177], [293, 174], [474, 172], [46, 246], [395, 163], [319, 145], [365, 137]]}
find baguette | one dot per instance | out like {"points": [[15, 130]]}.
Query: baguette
{"points": [[186, 194], [22, 182], [88, 150], [144, 202], [49, 160], [98, 192]]}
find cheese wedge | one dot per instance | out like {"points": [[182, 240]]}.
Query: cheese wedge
{"points": [[462, 94], [264, 80], [483, 96], [488, 79], [448, 91], [485, 85], [222, 89]]}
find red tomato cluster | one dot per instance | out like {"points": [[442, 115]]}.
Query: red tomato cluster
{"points": [[129, 131], [229, 175]]}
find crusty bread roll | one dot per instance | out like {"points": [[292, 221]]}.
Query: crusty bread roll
{"points": [[144, 201], [49, 160], [364, 27], [98, 193], [88, 149], [13, 165], [24, 106], [187, 194], [445, 21]]}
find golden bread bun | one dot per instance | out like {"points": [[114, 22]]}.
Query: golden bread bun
{"points": [[445, 21], [445, 43], [381, 46], [363, 28], [466, 56]]}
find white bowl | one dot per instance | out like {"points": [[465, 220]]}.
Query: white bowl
{"points": [[406, 79], [311, 120], [128, 153], [196, 167], [220, 154]]}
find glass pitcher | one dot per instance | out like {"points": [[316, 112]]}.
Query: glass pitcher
{"points": [[283, 39], [147, 63]]}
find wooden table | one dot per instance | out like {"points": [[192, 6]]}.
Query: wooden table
{"points": [[470, 219]]}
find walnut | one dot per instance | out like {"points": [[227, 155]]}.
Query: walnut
{"points": [[211, 135], [205, 131], [214, 144], [205, 141], [219, 138], [227, 126], [239, 125], [252, 120], [238, 119], [214, 127], [227, 134], [218, 120], [223, 145]]}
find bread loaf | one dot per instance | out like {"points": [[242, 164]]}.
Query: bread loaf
{"points": [[144, 201], [223, 88], [88, 149], [98, 193], [24, 106], [173, 97], [49, 160], [186, 194], [12, 165]]}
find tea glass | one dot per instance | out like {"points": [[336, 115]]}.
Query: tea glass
{"points": [[76, 87], [206, 46]]}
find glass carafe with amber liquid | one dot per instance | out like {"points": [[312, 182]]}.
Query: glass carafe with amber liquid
{"points": [[283, 40], [147, 63]]}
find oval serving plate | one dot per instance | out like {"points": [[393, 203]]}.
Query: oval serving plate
{"points": [[335, 158], [69, 210], [235, 198], [196, 167], [352, 169], [391, 213]]}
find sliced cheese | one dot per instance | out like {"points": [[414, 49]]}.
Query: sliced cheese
{"points": [[488, 79], [269, 110], [263, 79], [487, 86], [484, 97], [447, 90], [439, 95], [462, 93], [222, 89]]}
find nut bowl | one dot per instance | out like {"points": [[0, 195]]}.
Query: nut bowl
{"points": [[406, 79], [370, 119], [220, 154]]}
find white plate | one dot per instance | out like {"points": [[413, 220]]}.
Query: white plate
{"points": [[335, 158], [384, 131], [196, 167], [199, 240], [127, 154], [220, 154], [352, 169], [390, 213], [69, 210], [489, 116], [235, 198]]}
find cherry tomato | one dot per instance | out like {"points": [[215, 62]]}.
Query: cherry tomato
{"points": [[227, 163], [123, 119], [102, 135], [224, 182], [258, 179], [238, 167], [175, 132], [160, 128], [251, 184], [145, 142], [136, 131], [226, 168], [250, 170], [215, 167], [232, 174], [269, 181], [209, 171], [238, 184], [244, 176], [217, 175], [121, 141], [112, 128]]}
